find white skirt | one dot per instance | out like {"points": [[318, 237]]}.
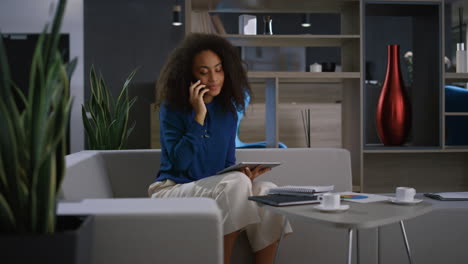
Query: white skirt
{"points": [[230, 190]]}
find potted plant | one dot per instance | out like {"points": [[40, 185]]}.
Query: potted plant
{"points": [[107, 126], [32, 158]]}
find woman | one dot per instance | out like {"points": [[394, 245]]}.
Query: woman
{"points": [[201, 88]]}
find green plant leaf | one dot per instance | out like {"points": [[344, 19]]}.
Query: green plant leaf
{"points": [[107, 127], [9, 153], [7, 219], [61, 164], [3, 177], [32, 142], [45, 199], [125, 86], [53, 39], [71, 66], [89, 128]]}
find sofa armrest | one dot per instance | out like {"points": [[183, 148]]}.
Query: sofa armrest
{"points": [[86, 177], [131, 171], [143, 230]]}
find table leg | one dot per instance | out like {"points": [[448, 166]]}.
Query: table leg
{"points": [[378, 245], [350, 245], [357, 247], [285, 222], [410, 258]]}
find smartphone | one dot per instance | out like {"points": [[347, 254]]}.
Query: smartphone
{"points": [[194, 80]]}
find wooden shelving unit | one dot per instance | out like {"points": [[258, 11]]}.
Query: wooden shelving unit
{"points": [[456, 113], [447, 149], [376, 168], [452, 76], [348, 41], [292, 40], [305, 76], [270, 6]]}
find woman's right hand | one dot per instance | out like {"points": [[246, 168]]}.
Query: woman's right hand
{"points": [[257, 171], [197, 90]]}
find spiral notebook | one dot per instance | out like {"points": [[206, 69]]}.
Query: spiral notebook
{"points": [[299, 189]]}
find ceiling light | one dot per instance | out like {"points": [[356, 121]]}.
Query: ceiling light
{"points": [[305, 20], [177, 15]]}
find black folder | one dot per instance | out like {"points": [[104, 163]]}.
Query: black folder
{"points": [[284, 200], [448, 196]]}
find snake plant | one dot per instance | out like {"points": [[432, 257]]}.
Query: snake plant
{"points": [[33, 139], [107, 124]]}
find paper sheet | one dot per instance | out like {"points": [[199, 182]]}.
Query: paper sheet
{"points": [[362, 197]]}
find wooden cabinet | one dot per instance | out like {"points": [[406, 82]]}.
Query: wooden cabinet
{"points": [[425, 161]]}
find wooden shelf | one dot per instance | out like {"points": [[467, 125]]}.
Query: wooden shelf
{"points": [[377, 148], [291, 40], [456, 113], [271, 6], [400, 150], [453, 148], [305, 77], [452, 76]]}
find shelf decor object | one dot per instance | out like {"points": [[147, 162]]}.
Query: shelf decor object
{"points": [[461, 58], [305, 114], [393, 116], [267, 25], [409, 63], [247, 25]]}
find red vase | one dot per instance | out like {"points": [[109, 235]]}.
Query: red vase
{"points": [[393, 116]]}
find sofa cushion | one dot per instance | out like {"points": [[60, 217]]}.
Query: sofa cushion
{"points": [[131, 171]]}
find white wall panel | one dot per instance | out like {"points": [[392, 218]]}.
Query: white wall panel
{"points": [[30, 16]]}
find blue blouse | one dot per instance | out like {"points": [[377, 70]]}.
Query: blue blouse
{"points": [[190, 151]]}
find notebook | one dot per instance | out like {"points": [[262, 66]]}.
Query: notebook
{"points": [[448, 196], [284, 200], [298, 189]]}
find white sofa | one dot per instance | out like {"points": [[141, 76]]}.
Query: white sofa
{"points": [[132, 229]]}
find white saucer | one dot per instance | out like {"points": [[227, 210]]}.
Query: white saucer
{"points": [[342, 208], [395, 201]]}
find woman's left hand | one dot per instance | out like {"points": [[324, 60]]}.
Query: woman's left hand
{"points": [[257, 171]]}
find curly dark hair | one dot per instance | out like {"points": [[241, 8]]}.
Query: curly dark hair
{"points": [[176, 75]]}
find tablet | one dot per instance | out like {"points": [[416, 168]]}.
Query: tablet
{"points": [[251, 165]]}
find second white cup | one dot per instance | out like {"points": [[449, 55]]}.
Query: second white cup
{"points": [[405, 194], [330, 200]]}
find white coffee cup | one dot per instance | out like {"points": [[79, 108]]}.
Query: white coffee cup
{"points": [[330, 200], [405, 194]]}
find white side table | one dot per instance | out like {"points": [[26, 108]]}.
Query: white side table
{"points": [[358, 216]]}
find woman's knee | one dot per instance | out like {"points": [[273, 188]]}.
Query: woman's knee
{"points": [[238, 182], [262, 187]]}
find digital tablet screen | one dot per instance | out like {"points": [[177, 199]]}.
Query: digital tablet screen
{"points": [[251, 165]]}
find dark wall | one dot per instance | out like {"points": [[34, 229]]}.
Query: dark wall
{"points": [[121, 35]]}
